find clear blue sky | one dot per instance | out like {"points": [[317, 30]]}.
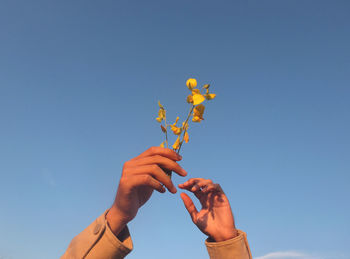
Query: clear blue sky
{"points": [[79, 84]]}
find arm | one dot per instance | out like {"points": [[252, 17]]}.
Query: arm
{"points": [[108, 236], [215, 220]]}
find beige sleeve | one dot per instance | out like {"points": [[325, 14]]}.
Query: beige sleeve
{"points": [[235, 248], [98, 241]]}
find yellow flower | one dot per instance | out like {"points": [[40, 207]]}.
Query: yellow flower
{"points": [[161, 115], [209, 96], [197, 97], [189, 98], [198, 113], [177, 143], [196, 119], [191, 83], [186, 137], [175, 129]]}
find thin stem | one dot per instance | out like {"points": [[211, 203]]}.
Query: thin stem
{"points": [[188, 116], [166, 135], [166, 131]]}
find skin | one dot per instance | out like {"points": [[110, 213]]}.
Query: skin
{"points": [[140, 177], [215, 219], [144, 174]]}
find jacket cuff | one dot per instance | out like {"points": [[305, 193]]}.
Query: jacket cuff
{"points": [[98, 241], [235, 248]]}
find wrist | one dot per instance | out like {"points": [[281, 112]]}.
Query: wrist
{"points": [[224, 236], [115, 221]]}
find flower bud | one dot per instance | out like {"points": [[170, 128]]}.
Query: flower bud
{"points": [[191, 83]]}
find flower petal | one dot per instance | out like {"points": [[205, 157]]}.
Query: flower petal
{"points": [[161, 113], [197, 99], [196, 119], [176, 130], [189, 98], [209, 96], [186, 137], [176, 144], [196, 91], [198, 112]]}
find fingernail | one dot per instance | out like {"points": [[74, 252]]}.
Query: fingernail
{"points": [[180, 157]]}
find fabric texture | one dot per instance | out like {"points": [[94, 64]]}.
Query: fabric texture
{"points": [[97, 241], [235, 248]]}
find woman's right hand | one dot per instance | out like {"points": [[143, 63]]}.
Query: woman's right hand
{"points": [[141, 175]]}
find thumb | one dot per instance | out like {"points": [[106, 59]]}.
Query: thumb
{"points": [[191, 208]]}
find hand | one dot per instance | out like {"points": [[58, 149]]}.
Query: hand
{"points": [[215, 219], [141, 175]]}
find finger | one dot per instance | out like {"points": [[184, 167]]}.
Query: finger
{"points": [[193, 187], [195, 184], [189, 205], [167, 152], [147, 180], [212, 188], [189, 183], [156, 172], [162, 161], [204, 183], [201, 184]]}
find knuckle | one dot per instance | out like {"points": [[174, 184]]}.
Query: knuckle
{"points": [[175, 165], [153, 149], [126, 164], [126, 171], [146, 179], [123, 181], [158, 157], [154, 167]]}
